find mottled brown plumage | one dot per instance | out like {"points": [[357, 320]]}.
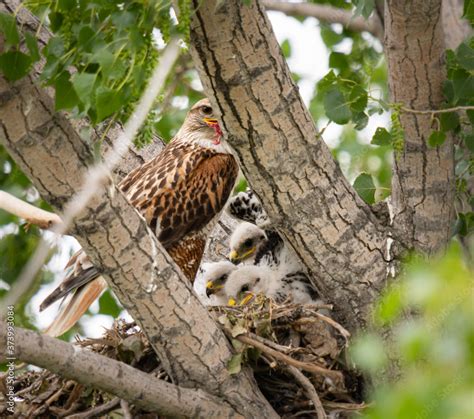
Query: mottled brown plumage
{"points": [[179, 193]]}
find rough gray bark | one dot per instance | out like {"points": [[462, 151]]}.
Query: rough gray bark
{"points": [[91, 369], [291, 169], [191, 347], [423, 177]]}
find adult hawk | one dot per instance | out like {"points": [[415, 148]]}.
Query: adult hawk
{"points": [[179, 193]]}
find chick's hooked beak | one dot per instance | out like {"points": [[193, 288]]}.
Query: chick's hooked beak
{"points": [[213, 123], [235, 258], [248, 297], [212, 288]]}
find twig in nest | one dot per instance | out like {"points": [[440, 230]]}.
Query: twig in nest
{"points": [[97, 411], [312, 368], [126, 409], [328, 320], [309, 390]]}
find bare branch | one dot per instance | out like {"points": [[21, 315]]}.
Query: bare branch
{"points": [[309, 389], [328, 14], [31, 214], [122, 380], [310, 367]]}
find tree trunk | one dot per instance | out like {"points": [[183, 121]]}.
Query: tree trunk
{"points": [[290, 168], [423, 177]]}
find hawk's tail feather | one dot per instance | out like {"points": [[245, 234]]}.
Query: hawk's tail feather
{"points": [[70, 312]]}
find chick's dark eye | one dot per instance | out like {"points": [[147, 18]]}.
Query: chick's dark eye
{"points": [[248, 243], [245, 288], [207, 110]]}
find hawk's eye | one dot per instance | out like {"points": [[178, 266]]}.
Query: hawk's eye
{"points": [[248, 243], [245, 288], [207, 110]]}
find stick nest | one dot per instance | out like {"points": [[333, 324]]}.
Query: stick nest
{"points": [[297, 354]]}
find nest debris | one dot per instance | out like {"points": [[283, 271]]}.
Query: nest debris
{"points": [[297, 354]]}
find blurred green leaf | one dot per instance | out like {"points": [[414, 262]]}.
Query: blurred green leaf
{"points": [[14, 65], [436, 138], [381, 137], [8, 28], [336, 107], [364, 185]]}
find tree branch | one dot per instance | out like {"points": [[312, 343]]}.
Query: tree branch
{"points": [[91, 369], [328, 14], [30, 213], [291, 169]]}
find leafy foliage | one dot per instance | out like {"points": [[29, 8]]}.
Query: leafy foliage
{"points": [[435, 349], [100, 56]]}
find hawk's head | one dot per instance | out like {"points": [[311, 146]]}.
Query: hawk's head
{"points": [[215, 275], [248, 281], [201, 126], [245, 242]]}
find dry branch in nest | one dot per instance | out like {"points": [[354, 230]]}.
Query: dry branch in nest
{"points": [[296, 353]]}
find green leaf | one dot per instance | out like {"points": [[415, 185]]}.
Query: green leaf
{"points": [[469, 141], [329, 36], [14, 65], [55, 21], [66, 97], [468, 12], [286, 48], [32, 44], [108, 305], [106, 61], [338, 60], [86, 38], [364, 185], [465, 56], [107, 102], [235, 363], [470, 114], [358, 99], [336, 107], [368, 352], [8, 28], [449, 121], [363, 7], [360, 120], [381, 137], [55, 47], [463, 84], [327, 82], [84, 85], [66, 5], [436, 138]]}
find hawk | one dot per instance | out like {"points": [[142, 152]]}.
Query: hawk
{"points": [[180, 192], [210, 282]]}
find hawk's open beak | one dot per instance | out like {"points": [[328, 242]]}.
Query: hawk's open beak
{"points": [[210, 121], [235, 258], [212, 288]]}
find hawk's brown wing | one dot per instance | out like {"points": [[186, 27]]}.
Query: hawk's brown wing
{"points": [[182, 191]]}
